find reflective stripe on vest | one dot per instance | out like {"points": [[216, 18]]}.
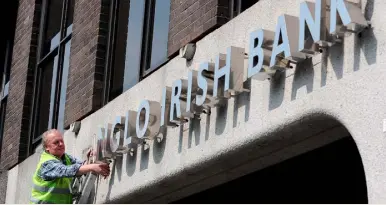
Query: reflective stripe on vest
{"points": [[53, 190], [37, 201]]}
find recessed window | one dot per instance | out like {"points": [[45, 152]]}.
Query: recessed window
{"points": [[6, 48], [53, 67], [138, 38]]}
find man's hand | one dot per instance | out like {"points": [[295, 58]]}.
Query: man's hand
{"points": [[97, 168], [90, 156], [102, 169]]}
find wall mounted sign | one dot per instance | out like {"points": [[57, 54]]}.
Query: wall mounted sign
{"points": [[294, 40]]}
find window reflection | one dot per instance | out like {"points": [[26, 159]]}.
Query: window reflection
{"points": [[52, 36], [160, 33], [63, 87], [134, 43], [138, 42], [119, 52], [53, 68], [47, 94], [69, 30], [6, 49], [70, 15]]}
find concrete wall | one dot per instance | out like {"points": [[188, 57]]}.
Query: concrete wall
{"points": [[337, 94]]}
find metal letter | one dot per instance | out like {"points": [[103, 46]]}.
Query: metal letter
{"points": [[175, 99], [104, 140], [202, 84], [288, 30], [260, 48], [314, 25], [189, 91], [255, 52], [146, 113], [221, 70], [235, 61], [117, 134], [338, 6], [351, 16], [163, 107], [130, 140], [153, 128]]}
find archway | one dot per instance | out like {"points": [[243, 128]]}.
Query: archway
{"points": [[329, 174]]}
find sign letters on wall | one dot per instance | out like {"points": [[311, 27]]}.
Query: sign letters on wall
{"points": [[294, 40]]}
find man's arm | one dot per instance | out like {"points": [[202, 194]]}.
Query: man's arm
{"points": [[54, 169], [102, 169]]}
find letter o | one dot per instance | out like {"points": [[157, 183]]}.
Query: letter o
{"points": [[144, 105]]}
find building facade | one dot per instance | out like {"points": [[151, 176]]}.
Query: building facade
{"points": [[89, 66]]}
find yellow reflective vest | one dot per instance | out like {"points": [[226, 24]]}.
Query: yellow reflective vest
{"points": [[56, 191]]}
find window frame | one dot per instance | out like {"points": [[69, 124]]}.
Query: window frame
{"points": [[6, 67], [58, 51], [110, 49], [145, 68], [147, 44]]}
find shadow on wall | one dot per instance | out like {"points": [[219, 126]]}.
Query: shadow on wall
{"points": [[131, 161], [304, 76], [366, 41]]}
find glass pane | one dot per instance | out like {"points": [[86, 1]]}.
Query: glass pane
{"points": [[63, 86], [6, 42], [53, 89], [118, 67], [134, 43], [69, 30], [3, 53], [8, 60], [70, 15], [53, 19], [45, 106], [160, 33]]}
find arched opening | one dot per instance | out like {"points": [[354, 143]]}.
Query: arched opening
{"points": [[332, 173]]}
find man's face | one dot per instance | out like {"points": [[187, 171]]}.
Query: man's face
{"points": [[55, 144]]}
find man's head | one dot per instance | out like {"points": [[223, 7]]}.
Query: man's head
{"points": [[53, 143]]}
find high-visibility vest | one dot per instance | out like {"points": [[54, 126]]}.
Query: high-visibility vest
{"points": [[55, 191]]}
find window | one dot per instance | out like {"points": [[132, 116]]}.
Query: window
{"points": [[52, 69], [137, 44], [238, 6], [6, 48]]}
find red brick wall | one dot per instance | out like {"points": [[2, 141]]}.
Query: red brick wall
{"points": [[85, 80], [15, 138], [192, 19]]}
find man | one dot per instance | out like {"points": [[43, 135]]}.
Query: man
{"points": [[56, 170]]}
